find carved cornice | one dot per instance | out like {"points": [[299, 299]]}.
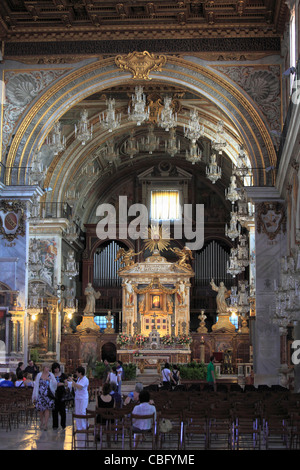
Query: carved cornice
{"points": [[140, 64]]}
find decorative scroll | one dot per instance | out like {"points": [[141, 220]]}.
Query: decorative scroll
{"points": [[140, 64]]}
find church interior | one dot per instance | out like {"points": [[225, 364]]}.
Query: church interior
{"points": [[149, 188]]}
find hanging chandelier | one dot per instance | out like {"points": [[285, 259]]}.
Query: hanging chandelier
{"points": [[110, 153], [233, 265], [56, 141], [234, 230], [231, 193], [83, 133], [213, 171], [138, 113], [241, 169], [172, 146], [151, 143], [109, 120], [131, 146], [167, 119], [194, 129], [219, 143], [194, 153]]}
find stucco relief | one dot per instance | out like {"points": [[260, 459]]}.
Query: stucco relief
{"points": [[21, 89], [263, 86]]}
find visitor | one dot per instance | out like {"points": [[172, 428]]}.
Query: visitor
{"points": [[60, 405], [43, 394], [105, 401], [166, 377], [175, 375], [80, 386], [120, 372], [20, 368], [134, 397], [112, 377], [144, 408], [107, 370], [211, 374], [28, 379], [32, 368], [6, 382], [20, 382], [116, 395]]}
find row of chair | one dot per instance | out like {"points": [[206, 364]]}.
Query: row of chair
{"points": [[219, 427]]}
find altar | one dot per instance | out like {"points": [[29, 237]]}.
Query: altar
{"points": [[156, 308]]}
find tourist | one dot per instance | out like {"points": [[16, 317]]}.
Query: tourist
{"points": [[107, 370], [20, 368], [6, 382], [20, 382], [211, 375], [112, 377], [105, 401], [60, 406], [116, 395], [166, 376], [135, 395], [28, 379], [175, 375], [32, 368], [120, 372], [80, 386], [43, 394], [144, 408]]}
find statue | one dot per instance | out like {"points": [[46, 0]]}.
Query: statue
{"points": [[129, 292], [184, 255], [222, 295], [91, 296], [126, 256], [181, 292]]}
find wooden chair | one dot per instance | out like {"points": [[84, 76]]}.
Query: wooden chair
{"points": [[136, 435], [83, 438], [172, 438], [111, 425], [195, 429]]}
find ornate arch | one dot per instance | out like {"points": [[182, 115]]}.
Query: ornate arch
{"points": [[94, 77]]}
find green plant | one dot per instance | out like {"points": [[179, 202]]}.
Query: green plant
{"points": [[34, 355], [193, 371]]}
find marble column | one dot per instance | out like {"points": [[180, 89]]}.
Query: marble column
{"points": [[270, 246]]}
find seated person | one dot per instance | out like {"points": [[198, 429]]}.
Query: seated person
{"points": [[144, 408], [6, 382], [134, 396], [116, 395]]}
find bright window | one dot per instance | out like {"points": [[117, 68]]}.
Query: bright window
{"points": [[102, 322], [165, 205]]}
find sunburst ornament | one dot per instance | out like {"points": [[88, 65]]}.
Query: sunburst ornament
{"points": [[158, 238]]}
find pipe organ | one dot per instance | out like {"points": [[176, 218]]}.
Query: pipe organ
{"points": [[105, 266], [211, 263]]}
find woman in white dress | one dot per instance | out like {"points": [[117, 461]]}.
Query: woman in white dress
{"points": [[80, 387]]}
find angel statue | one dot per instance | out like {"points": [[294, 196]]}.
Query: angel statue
{"points": [[126, 256], [184, 255], [222, 295]]}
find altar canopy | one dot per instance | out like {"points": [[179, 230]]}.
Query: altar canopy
{"points": [[156, 296]]}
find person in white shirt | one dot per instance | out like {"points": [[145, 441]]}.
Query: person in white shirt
{"points": [[143, 409], [81, 396]]}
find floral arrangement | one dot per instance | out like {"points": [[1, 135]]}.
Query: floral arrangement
{"points": [[140, 340], [184, 339], [167, 339], [123, 339], [136, 354]]}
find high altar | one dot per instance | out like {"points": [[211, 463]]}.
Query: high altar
{"points": [[156, 295]]}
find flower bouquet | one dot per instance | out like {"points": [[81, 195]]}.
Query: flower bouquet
{"points": [[184, 339], [123, 339], [139, 340], [167, 340]]}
